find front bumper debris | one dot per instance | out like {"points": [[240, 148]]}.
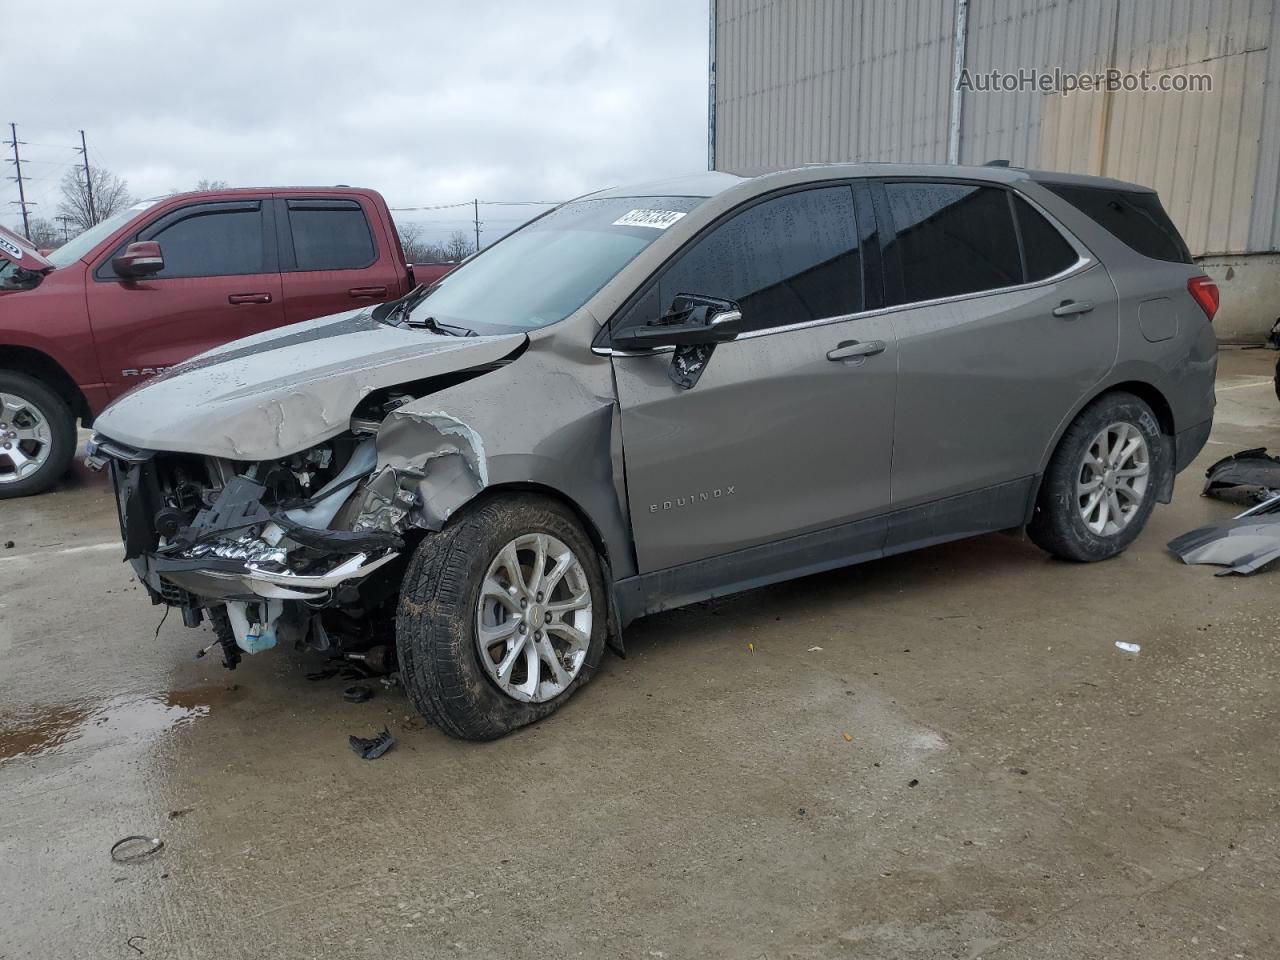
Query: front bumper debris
{"points": [[1244, 544]]}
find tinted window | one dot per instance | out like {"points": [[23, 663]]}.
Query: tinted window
{"points": [[212, 242], [1133, 216], [330, 235], [787, 260], [952, 239], [1046, 250]]}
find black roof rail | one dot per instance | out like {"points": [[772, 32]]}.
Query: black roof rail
{"points": [[996, 163]]}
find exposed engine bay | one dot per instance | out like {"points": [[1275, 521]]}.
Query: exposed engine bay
{"points": [[282, 550]]}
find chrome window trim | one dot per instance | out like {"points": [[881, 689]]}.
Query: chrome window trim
{"points": [[1085, 260], [1084, 263]]}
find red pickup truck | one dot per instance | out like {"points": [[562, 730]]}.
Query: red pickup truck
{"points": [[165, 280]]}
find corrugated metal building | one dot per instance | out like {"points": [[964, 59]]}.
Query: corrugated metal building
{"points": [[801, 81]]}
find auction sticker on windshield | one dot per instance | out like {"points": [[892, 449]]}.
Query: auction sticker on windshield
{"points": [[658, 219]]}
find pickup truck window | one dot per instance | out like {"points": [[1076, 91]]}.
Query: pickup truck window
{"points": [[212, 240], [77, 247], [549, 268], [330, 235]]}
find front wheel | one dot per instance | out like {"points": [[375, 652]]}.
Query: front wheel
{"points": [[1102, 481], [502, 617], [37, 436]]}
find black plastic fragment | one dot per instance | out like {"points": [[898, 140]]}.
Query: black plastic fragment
{"points": [[1248, 468], [357, 693], [238, 506], [374, 747]]}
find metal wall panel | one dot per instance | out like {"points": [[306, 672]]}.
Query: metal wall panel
{"points": [[822, 80]]}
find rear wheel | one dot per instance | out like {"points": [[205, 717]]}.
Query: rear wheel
{"points": [[1102, 481], [501, 618], [37, 436]]}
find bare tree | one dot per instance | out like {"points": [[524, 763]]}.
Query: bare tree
{"points": [[416, 248], [209, 185], [110, 196], [46, 235], [459, 246]]}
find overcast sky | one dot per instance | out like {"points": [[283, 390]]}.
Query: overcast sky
{"points": [[428, 102]]}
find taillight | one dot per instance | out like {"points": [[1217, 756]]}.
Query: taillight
{"points": [[1204, 292]]}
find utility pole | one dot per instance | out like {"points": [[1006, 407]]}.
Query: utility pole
{"points": [[65, 220], [88, 181], [476, 205], [17, 166]]}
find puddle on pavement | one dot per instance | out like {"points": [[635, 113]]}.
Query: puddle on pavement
{"points": [[41, 730]]}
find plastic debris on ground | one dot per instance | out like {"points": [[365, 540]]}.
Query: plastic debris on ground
{"points": [[1248, 468], [373, 747], [1244, 544], [136, 848], [357, 693], [1128, 647]]}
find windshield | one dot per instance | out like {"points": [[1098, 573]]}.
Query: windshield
{"points": [[551, 267], [77, 247]]}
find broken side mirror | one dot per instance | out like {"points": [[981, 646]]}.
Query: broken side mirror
{"points": [[692, 321], [141, 259]]}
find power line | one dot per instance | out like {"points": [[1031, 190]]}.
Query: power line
{"points": [[483, 203]]}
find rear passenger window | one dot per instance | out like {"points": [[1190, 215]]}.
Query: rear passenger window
{"points": [[787, 260], [213, 240], [951, 239], [1132, 216], [1046, 250], [330, 235]]}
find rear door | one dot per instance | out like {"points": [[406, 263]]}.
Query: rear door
{"points": [[1006, 322], [789, 429], [333, 257], [219, 283]]}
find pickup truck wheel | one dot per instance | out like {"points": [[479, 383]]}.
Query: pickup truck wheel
{"points": [[37, 436], [1102, 480], [502, 617]]}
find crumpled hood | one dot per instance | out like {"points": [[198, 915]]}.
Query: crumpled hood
{"points": [[283, 391]]}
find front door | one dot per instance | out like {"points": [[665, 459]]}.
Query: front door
{"points": [[790, 427], [219, 283]]}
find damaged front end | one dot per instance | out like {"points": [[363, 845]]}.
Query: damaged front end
{"points": [[283, 550]]}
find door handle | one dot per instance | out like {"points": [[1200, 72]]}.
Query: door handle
{"points": [[849, 349], [367, 293], [249, 298], [1069, 308]]}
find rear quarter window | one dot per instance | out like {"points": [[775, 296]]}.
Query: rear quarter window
{"points": [[1135, 217]]}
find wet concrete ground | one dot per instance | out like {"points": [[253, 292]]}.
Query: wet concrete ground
{"points": [[935, 755]]}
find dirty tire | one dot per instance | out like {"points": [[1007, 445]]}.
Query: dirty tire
{"points": [[435, 622], [62, 429], [1056, 526]]}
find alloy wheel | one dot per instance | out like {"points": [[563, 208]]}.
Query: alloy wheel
{"points": [[1113, 478], [26, 439], [533, 618]]}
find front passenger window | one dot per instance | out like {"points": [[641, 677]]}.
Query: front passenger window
{"points": [[790, 259]]}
